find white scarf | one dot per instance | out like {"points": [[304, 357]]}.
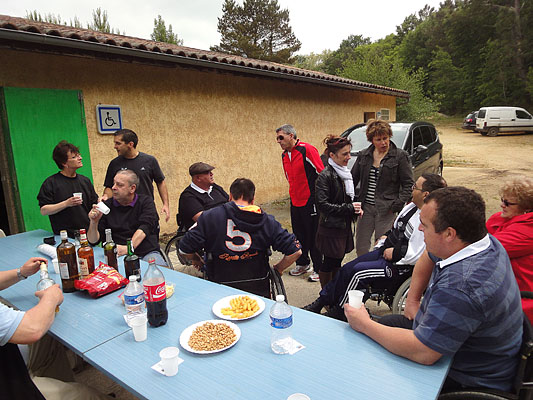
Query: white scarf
{"points": [[345, 175]]}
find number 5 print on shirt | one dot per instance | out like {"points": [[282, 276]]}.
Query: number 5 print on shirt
{"points": [[234, 233]]}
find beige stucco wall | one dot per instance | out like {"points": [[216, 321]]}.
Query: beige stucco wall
{"points": [[185, 115]]}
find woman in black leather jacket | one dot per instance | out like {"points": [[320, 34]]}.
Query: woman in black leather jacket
{"points": [[386, 178], [334, 200]]}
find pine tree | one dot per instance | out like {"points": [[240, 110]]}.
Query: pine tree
{"points": [[257, 29], [162, 34]]}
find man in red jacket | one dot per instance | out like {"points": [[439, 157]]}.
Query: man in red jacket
{"points": [[302, 164]]}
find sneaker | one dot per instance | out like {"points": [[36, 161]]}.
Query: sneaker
{"points": [[299, 270], [315, 306], [314, 277]]}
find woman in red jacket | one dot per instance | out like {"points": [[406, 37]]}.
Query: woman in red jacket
{"points": [[513, 227]]}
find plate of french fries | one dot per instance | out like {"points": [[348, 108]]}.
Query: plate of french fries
{"points": [[238, 307], [210, 336]]}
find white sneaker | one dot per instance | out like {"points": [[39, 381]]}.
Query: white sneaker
{"points": [[299, 270], [314, 277]]}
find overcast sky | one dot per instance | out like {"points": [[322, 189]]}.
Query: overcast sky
{"points": [[318, 24]]}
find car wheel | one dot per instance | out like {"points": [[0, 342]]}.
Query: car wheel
{"points": [[493, 131]]}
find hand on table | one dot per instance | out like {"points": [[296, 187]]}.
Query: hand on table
{"points": [[122, 250], [357, 317]]}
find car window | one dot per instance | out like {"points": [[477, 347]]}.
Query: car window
{"points": [[417, 138], [427, 137], [522, 114], [481, 113]]}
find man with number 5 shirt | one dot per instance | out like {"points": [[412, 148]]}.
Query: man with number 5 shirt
{"points": [[236, 237]]}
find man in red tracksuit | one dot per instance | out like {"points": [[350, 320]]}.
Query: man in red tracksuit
{"points": [[302, 164]]}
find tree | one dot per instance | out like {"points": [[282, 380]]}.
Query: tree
{"points": [[257, 29], [345, 52], [162, 34], [100, 22], [312, 61]]}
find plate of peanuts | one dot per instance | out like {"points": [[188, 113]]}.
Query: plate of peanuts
{"points": [[211, 336], [238, 307]]}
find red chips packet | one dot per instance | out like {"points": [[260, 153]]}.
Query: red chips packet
{"points": [[103, 280]]}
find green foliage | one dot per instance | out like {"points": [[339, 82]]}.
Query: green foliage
{"points": [[375, 65], [100, 22], [346, 51], [162, 34], [313, 62], [257, 29], [445, 82], [52, 19]]}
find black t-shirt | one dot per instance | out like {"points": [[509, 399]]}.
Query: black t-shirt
{"points": [[144, 165], [57, 188], [192, 202], [125, 220]]}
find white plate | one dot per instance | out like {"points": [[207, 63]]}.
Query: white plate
{"points": [[224, 302], [187, 332]]}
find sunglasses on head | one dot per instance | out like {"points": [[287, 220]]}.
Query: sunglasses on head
{"points": [[508, 203]]}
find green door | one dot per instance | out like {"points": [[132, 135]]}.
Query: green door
{"points": [[33, 122]]}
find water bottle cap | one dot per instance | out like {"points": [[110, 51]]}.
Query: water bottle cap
{"points": [[133, 278], [280, 297]]}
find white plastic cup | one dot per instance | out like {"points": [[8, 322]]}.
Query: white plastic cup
{"points": [[139, 327], [357, 205], [169, 360], [102, 208], [78, 194], [355, 298], [298, 396], [56, 265]]}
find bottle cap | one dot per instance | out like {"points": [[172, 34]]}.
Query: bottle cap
{"points": [[63, 234], [133, 278], [280, 297], [151, 260]]}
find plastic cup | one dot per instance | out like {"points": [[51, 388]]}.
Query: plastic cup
{"points": [[78, 194], [140, 328], [298, 396], [102, 208], [355, 298], [169, 360]]}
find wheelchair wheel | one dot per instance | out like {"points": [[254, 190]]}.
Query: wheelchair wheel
{"points": [[398, 303]]}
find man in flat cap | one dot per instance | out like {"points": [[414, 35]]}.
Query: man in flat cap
{"points": [[202, 194]]}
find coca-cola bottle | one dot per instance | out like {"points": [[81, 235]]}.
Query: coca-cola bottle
{"points": [[155, 295]]}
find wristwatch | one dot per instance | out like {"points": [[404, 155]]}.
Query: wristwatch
{"points": [[20, 276]]}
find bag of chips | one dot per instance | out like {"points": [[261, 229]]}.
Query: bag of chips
{"points": [[103, 280]]}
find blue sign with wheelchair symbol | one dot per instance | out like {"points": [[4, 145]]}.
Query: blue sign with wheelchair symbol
{"points": [[108, 118]]}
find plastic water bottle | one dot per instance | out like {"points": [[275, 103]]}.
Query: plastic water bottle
{"points": [[134, 297], [281, 322]]}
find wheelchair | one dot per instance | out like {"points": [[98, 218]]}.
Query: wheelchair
{"points": [[392, 292], [271, 278], [523, 383]]}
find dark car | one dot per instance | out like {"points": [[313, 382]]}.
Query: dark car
{"points": [[470, 121], [419, 139]]}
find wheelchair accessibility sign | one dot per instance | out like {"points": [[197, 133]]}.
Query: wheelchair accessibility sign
{"points": [[108, 118]]}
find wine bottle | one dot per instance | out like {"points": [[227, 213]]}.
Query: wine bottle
{"points": [[68, 267], [110, 250], [132, 265]]}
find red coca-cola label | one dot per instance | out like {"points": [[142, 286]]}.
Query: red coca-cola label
{"points": [[155, 293]]}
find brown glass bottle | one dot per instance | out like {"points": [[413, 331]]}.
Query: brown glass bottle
{"points": [[110, 250], [85, 256], [68, 267], [132, 265]]}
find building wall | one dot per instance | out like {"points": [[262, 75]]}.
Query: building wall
{"points": [[186, 115]]}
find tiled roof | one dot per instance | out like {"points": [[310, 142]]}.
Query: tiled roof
{"points": [[28, 31]]}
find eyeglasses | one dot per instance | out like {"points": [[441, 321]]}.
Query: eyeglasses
{"points": [[280, 137], [508, 203], [415, 188]]}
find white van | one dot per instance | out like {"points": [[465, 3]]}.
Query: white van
{"points": [[491, 120]]}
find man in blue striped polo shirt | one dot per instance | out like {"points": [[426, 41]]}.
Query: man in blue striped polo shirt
{"points": [[471, 309]]}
